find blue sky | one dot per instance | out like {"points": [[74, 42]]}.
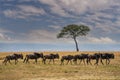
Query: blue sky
{"points": [[32, 25]]}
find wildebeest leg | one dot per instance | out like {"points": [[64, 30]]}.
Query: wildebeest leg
{"points": [[75, 61], [101, 61], [15, 61], [90, 61], [62, 61], [96, 62], [71, 62], [53, 61], [27, 60], [49, 61], [24, 59], [80, 61], [5, 61], [87, 61], [36, 61], [9, 61], [67, 61], [108, 61], [84, 61], [44, 60]]}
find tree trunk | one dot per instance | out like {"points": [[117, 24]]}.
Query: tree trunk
{"points": [[77, 49]]}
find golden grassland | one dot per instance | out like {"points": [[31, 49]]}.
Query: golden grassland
{"points": [[39, 71]]}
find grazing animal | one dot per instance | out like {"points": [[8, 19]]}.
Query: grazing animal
{"points": [[95, 56], [50, 57], [107, 56], [12, 57], [35, 56], [81, 57], [68, 58]]}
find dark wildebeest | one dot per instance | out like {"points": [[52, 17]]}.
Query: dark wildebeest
{"points": [[12, 57], [81, 57], [50, 57], [107, 56], [95, 56], [68, 58], [35, 56]]}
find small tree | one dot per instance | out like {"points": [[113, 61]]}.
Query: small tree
{"points": [[73, 31]]}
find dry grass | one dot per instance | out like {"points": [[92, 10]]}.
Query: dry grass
{"points": [[39, 71]]}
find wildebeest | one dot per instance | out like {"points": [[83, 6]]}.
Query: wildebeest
{"points": [[95, 56], [107, 56], [12, 57], [80, 57], [68, 58], [50, 57], [35, 56]]}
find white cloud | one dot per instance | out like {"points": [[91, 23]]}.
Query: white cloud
{"points": [[4, 37], [41, 36], [8, 0], [56, 27], [31, 10], [104, 24], [108, 26], [24, 11], [103, 27], [101, 40], [55, 7], [13, 14], [5, 31], [61, 7], [44, 36], [49, 37]]}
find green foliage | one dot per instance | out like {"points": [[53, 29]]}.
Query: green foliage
{"points": [[73, 31]]}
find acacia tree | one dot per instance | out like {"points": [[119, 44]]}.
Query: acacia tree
{"points": [[73, 31]]}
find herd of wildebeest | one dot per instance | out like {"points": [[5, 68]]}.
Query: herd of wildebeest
{"points": [[85, 58]]}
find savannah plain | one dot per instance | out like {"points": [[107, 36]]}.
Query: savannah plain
{"points": [[40, 71]]}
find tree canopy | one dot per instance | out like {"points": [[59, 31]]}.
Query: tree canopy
{"points": [[73, 31]]}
